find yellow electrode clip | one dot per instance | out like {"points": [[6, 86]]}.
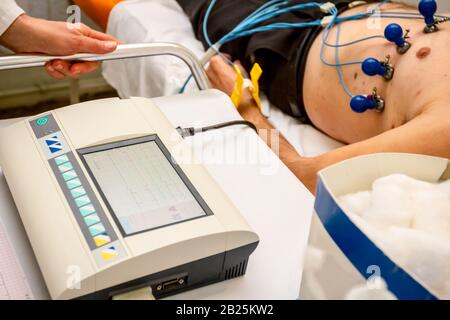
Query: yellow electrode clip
{"points": [[253, 87], [255, 75], [236, 96]]}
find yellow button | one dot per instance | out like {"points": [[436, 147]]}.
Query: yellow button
{"points": [[109, 253]]}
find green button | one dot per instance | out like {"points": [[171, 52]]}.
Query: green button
{"points": [[75, 183], [69, 175], [96, 229], [78, 192], [82, 201], [65, 167], [42, 121], [92, 219], [62, 159], [87, 210]]}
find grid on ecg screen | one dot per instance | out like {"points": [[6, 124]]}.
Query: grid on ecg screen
{"points": [[13, 284], [143, 179]]}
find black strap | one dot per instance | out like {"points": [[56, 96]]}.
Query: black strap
{"points": [[297, 66]]}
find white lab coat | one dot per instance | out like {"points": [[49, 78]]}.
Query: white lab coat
{"points": [[9, 11]]}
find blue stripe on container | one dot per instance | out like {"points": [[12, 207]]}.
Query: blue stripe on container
{"points": [[362, 252]]}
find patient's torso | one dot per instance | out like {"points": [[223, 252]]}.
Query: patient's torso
{"points": [[421, 74]]}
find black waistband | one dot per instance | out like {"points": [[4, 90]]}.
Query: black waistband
{"points": [[297, 66]]}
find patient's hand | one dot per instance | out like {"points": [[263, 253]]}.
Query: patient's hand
{"points": [[222, 76]]}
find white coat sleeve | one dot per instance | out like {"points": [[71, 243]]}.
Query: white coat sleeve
{"points": [[9, 11]]}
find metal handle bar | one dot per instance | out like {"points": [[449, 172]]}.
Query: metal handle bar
{"points": [[122, 52]]}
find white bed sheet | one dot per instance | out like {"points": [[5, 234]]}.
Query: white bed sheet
{"points": [[144, 21]]}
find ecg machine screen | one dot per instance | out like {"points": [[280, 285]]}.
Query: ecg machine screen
{"points": [[143, 188]]}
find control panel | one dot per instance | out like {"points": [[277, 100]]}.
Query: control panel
{"points": [[96, 228]]}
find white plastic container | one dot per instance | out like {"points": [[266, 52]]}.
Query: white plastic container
{"points": [[342, 262]]}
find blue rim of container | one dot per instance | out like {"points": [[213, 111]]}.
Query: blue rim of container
{"points": [[361, 251]]}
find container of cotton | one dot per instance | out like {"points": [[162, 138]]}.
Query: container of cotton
{"points": [[380, 230]]}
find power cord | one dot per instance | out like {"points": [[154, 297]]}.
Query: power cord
{"points": [[191, 131]]}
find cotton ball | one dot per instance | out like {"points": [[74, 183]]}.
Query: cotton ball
{"points": [[410, 221], [356, 203], [421, 254], [377, 290], [432, 213], [391, 203], [406, 183]]}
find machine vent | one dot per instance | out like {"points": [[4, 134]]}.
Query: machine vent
{"points": [[236, 270]]}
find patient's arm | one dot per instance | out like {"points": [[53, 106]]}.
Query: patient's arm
{"points": [[223, 77], [428, 133]]}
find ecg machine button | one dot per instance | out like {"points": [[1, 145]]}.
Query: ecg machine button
{"points": [[69, 175], [42, 121], [65, 167], [74, 183], [82, 201], [78, 192], [54, 144], [92, 219], [101, 240], [97, 229], [62, 159], [87, 210], [108, 254]]}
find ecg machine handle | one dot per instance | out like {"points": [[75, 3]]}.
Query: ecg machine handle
{"points": [[122, 52]]}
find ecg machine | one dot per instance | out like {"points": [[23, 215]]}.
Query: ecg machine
{"points": [[111, 203]]}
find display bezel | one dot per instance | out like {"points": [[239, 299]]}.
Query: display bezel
{"points": [[135, 141]]}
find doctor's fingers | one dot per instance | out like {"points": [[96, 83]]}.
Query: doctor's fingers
{"points": [[84, 44], [87, 40], [53, 72], [59, 69], [91, 33], [81, 68]]}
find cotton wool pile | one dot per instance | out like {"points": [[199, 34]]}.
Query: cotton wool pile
{"points": [[410, 221]]}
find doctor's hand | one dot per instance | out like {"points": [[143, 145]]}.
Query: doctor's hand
{"points": [[31, 35]]}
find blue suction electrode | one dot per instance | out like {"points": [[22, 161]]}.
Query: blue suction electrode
{"points": [[372, 67], [361, 104], [428, 9], [394, 33]]}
